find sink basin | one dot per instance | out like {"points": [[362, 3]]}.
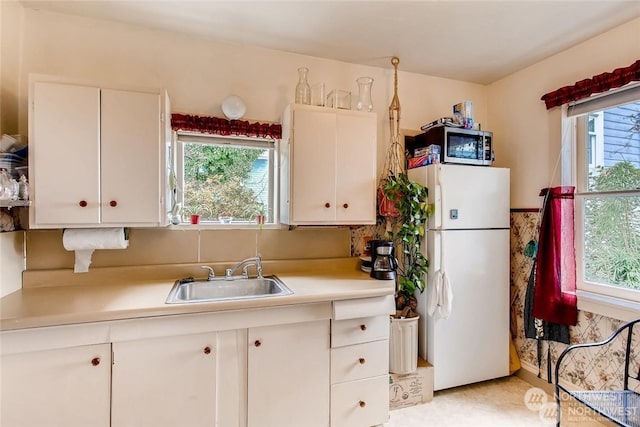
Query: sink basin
{"points": [[226, 289]]}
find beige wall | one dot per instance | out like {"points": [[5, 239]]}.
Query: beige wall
{"points": [[527, 135], [10, 45], [200, 73]]}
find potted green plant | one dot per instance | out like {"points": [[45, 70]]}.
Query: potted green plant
{"points": [[410, 199]]}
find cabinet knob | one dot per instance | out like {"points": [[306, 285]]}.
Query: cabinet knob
{"points": [[327, 205], [95, 361], [346, 206], [207, 350], [363, 327], [113, 203], [362, 403], [257, 343], [83, 203], [361, 360]]}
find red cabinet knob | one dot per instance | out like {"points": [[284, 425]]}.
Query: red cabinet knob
{"points": [[327, 205], [362, 403], [95, 361], [363, 327], [346, 205], [83, 203], [257, 343], [362, 361], [207, 350], [113, 203]]}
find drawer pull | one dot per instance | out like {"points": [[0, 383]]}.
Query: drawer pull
{"points": [[363, 327], [113, 203], [361, 360], [207, 350], [362, 403], [95, 361], [83, 203], [257, 343], [327, 205]]}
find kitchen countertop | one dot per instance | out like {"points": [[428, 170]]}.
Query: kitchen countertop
{"points": [[102, 298]]}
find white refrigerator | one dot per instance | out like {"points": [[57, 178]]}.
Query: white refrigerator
{"points": [[467, 245]]}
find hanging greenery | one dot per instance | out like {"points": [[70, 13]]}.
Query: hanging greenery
{"points": [[410, 199]]}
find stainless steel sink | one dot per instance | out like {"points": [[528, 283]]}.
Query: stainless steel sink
{"points": [[188, 291]]}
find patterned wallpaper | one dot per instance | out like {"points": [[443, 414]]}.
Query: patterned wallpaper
{"points": [[586, 370]]}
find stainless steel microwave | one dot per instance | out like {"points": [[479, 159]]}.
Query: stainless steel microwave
{"points": [[457, 145]]}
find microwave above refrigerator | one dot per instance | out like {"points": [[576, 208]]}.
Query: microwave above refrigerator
{"points": [[457, 145]]}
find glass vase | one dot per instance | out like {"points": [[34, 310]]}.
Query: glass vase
{"points": [[303, 90], [364, 94]]}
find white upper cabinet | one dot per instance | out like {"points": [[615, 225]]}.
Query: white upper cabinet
{"points": [[328, 166], [97, 157]]}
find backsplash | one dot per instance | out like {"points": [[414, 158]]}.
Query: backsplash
{"points": [[155, 246]]}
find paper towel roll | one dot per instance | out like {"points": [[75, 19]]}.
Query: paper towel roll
{"points": [[85, 240]]}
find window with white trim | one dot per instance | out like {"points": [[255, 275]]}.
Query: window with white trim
{"points": [[226, 180], [606, 161]]}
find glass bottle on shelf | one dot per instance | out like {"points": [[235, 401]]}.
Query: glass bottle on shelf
{"points": [[364, 102], [303, 90]]}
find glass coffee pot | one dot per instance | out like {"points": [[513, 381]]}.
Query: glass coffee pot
{"points": [[384, 263]]}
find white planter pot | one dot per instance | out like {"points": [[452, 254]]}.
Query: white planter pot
{"points": [[403, 345]]}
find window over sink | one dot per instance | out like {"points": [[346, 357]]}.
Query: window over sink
{"points": [[226, 180]]}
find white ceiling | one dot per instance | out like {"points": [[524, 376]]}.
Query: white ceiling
{"points": [[478, 41]]}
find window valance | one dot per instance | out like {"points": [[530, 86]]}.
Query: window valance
{"points": [[596, 84], [219, 126]]}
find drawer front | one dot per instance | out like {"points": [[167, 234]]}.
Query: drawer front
{"points": [[361, 403], [359, 361], [362, 307], [356, 331]]}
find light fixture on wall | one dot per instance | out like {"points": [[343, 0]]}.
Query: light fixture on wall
{"points": [[233, 107]]}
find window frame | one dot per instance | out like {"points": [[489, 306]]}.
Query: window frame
{"points": [[609, 300], [182, 137]]}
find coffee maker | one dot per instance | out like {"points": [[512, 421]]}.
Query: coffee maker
{"points": [[383, 260]]}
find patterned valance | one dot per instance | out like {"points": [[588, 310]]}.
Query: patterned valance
{"points": [[596, 84], [219, 126]]}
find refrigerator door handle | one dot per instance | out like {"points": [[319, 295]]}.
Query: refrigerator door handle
{"points": [[438, 207]]}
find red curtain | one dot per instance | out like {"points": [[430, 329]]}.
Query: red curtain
{"points": [[596, 84], [555, 286], [218, 126]]}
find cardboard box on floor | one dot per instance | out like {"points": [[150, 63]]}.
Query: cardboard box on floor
{"points": [[411, 389]]}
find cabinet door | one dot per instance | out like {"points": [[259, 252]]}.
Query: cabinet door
{"points": [[64, 155], [288, 375], [313, 166], [58, 388], [167, 381], [130, 157], [356, 168]]}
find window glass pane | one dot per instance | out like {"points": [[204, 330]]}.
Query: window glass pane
{"points": [[614, 143], [612, 240], [227, 184]]}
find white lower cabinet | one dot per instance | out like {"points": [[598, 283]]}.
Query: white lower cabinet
{"points": [[65, 387], [288, 375], [360, 362], [212, 369], [165, 381]]}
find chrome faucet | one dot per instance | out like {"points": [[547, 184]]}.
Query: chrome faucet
{"points": [[212, 274], [245, 264]]}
